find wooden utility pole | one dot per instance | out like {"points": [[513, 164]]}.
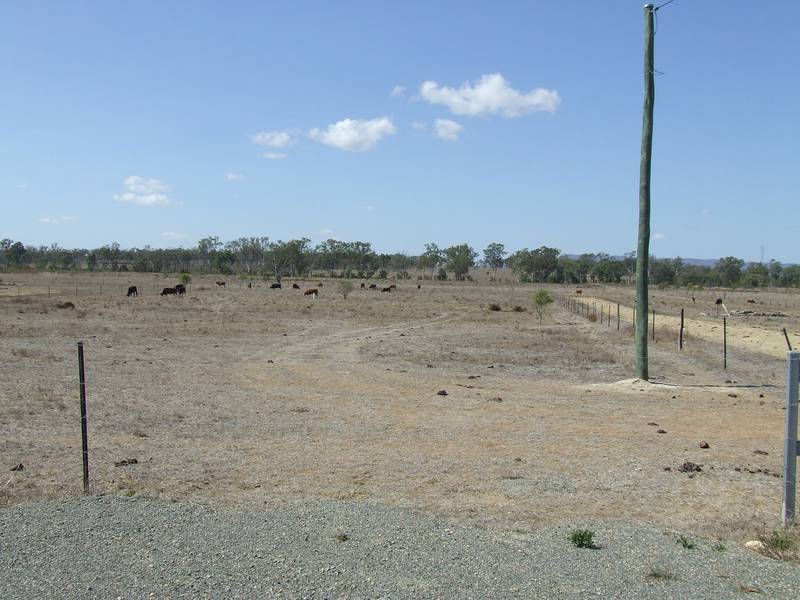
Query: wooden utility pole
{"points": [[643, 248]]}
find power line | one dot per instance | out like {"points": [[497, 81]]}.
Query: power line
{"points": [[663, 5]]}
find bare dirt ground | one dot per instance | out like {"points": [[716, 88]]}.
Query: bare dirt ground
{"points": [[249, 397]]}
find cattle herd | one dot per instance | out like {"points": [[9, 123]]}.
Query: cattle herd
{"points": [[180, 289]]}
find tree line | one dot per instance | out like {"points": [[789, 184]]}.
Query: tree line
{"points": [[262, 257]]}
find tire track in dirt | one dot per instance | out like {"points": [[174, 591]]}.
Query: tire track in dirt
{"points": [[745, 337]]}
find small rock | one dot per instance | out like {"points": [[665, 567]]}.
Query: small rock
{"points": [[739, 469], [495, 399], [518, 459], [668, 468], [18, 467], [429, 366], [490, 367], [441, 393], [756, 546], [661, 431], [704, 444], [653, 424], [733, 395], [270, 361], [761, 395], [761, 452], [690, 467]]}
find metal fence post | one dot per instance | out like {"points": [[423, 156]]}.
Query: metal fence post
{"points": [[84, 432], [790, 443]]}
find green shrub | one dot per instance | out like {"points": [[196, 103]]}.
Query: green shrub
{"points": [[582, 538]]}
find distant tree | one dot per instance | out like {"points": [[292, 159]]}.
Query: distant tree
{"points": [[494, 256], [459, 260], [729, 270], [756, 275], [775, 272], [185, 278], [540, 301], [432, 258]]}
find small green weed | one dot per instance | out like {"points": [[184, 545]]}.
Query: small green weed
{"points": [[686, 542], [582, 538], [659, 574]]}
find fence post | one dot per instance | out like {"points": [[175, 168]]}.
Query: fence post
{"points": [[680, 343], [725, 343], [654, 324], [84, 432], [617, 316], [790, 443]]}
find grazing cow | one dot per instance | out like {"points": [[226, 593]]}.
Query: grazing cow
{"points": [[311, 292], [275, 286], [133, 291], [363, 285], [393, 286], [419, 286], [751, 301], [579, 292], [319, 284], [295, 286], [372, 286], [169, 291], [249, 285], [220, 284], [180, 289], [386, 289]]}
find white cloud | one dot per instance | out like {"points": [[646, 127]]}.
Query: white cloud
{"points": [[174, 236], [448, 130], [230, 176], [272, 139], [144, 192], [353, 134], [490, 94], [419, 125], [659, 236], [398, 91], [272, 155], [56, 220]]}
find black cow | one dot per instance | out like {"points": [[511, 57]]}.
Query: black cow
{"points": [[180, 289], [169, 291], [133, 291], [363, 285], [372, 286], [419, 287], [275, 286], [295, 286], [220, 284], [249, 285], [386, 289]]}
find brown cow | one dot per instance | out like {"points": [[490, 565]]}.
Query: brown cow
{"points": [[363, 285], [372, 286], [751, 301], [393, 286], [386, 289], [579, 292], [220, 284], [295, 286], [311, 292]]}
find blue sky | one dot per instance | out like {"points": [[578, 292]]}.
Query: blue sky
{"points": [[163, 122]]}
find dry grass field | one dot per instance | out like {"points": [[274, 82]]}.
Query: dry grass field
{"points": [[252, 397]]}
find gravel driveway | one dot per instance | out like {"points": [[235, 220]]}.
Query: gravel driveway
{"points": [[108, 547]]}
